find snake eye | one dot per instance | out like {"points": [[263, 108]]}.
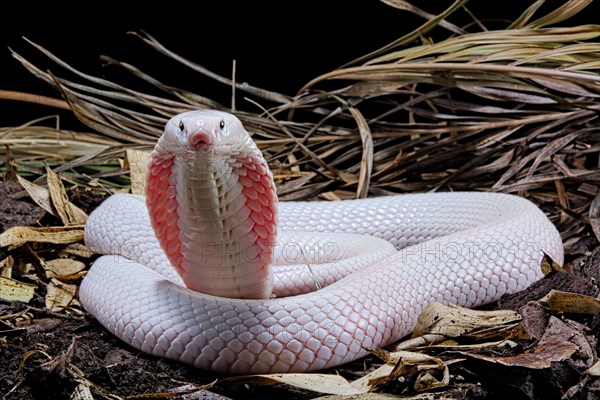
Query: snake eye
{"points": [[222, 124], [181, 126]]}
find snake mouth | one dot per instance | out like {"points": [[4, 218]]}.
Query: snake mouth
{"points": [[200, 139]]}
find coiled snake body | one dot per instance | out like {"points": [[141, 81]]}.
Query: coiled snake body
{"points": [[211, 222]]}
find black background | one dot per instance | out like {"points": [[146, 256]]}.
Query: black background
{"points": [[277, 45]]}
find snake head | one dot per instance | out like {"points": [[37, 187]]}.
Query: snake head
{"points": [[204, 131]]}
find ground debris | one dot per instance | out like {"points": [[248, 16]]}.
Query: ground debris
{"points": [[432, 128], [51, 344]]}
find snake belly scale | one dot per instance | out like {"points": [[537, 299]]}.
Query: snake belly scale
{"points": [[381, 260]]}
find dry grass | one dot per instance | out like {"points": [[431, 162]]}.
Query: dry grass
{"points": [[513, 110]]}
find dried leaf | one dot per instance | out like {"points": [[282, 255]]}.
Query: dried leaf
{"points": [[499, 93], [452, 321], [535, 318], [187, 392], [137, 160], [77, 249], [266, 94], [420, 31], [427, 381], [59, 363], [563, 12], [6, 266], [566, 302], [408, 357], [548, 265], [59, 295], [68, 212], [371, 396], [447, 344], [82, 392], [294, 184], [38, 194], [526, 16], [13, 290], [52, 144], [366, 163], [404, 363], [594, 370], [565, 86], [41, 324], [41, 196], [19, 235], [367, 88], [556, 345], [322, 383], [379, 377], [63, 267]]}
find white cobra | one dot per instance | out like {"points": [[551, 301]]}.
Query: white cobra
{"points": [[211, 222]]}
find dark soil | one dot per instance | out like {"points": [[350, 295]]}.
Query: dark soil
{"points": [[45, 355]]}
